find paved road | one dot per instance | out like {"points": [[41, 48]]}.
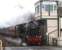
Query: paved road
{"points": [[33, 48]]}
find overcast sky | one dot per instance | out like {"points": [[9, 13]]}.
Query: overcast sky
{"points": [[10, 10]]}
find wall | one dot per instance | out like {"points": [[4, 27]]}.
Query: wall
{"points": [[52, 30]]}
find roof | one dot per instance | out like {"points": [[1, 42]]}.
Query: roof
{"points": [[45, 0]]}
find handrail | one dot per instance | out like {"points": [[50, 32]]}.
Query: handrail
{"points": [[52, 31]]}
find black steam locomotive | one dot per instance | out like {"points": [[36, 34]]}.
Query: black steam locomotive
{"points": [[34, 32]]}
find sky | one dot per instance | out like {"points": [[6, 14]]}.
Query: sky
{"points": [[10, 10]]}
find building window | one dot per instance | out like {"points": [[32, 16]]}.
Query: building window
{"points": [[49, 8], [55, 7], [37, 9]]}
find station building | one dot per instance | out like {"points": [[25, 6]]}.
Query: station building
{"points": [[50, 10]]}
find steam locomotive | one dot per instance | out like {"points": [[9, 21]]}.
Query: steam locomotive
{"points": [[33, 32]]}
